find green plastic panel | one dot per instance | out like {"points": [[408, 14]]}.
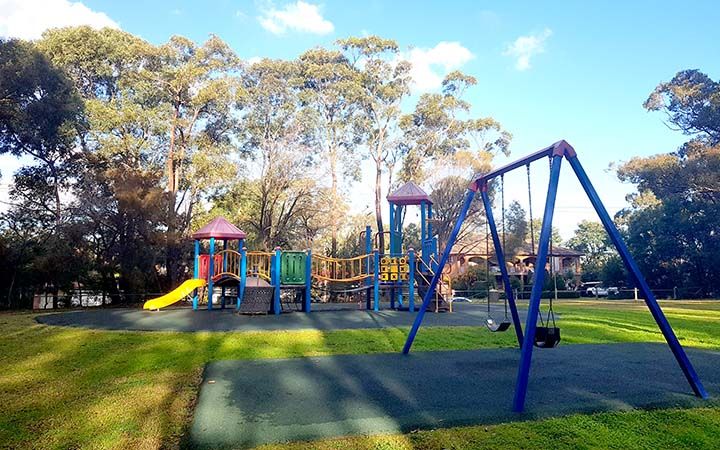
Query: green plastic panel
{"points": [[292, 267]]}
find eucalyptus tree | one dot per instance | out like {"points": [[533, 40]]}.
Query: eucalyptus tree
{"points": [[441, 126], [39, 109], [384, 81], [330, 88], [153, 110], [282, 195]]}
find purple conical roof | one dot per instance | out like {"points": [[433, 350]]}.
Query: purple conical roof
{"points": [[219, 228], [409, 194]]}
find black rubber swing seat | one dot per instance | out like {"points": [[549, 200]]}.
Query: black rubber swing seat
{"points": [[547, 337], [496, 327]]}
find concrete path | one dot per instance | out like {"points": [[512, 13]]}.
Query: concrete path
{"points": [[246, 403], [185, 319]]}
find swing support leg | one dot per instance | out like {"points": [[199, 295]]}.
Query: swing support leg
{"points": [[639, 280], [523, 375], [469, 196], [501, 262]]}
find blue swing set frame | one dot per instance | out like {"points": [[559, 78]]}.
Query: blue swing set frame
{"points": [[556, 152]]}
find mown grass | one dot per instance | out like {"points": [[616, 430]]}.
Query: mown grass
{"points": [[75, 388]]}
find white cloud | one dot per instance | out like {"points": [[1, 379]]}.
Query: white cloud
{"points": [[27, 19], [430, 65], [526, 47], [299, 16]]}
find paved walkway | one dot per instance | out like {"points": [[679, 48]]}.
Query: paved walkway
{"points": [[185, 319], [247, 403]]}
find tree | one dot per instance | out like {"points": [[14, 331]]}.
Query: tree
{"points": [[199, 86], [384, 83], [284, 199], [39, 110], [169, 106], [330, 88], [516, 229], [448, 197], [592, 240], [671, 224], [439, 128]]}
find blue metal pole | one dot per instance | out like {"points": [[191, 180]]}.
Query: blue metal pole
{"points": [[308, 281], [469, 195], [196, 272], [423, 234], [499, 253], [243, 277], [276, 281], [368, 262], [224, 269], [392, 228], [211, 272], [376, 280], [640, 281], [411, 280], [521, 383]]}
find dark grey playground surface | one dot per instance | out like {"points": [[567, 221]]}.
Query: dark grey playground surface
{"points": [[185, 319], [246, 403]]}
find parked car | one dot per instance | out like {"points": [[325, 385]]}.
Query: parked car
{"points": [[596, 291], [462, 300]]}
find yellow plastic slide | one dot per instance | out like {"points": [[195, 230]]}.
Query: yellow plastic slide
{"points": [[176, 295]]}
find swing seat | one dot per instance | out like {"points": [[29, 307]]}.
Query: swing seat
{"points": [[496, 327], [547, 337]]}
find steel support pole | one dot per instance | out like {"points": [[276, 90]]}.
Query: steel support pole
{"points": [[196, 272], [276, 283], [469, 196], [308, 281], [411, 280], [211, 272], [521, 382], [376, 280], [500, 254], [640, 281], [243, 277]]}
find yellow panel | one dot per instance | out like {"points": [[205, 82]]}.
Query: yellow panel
{"points": [[384, 268], [405, 269], [393, 277], [384, 277], [402, 260], [393, 269], [385, 260]]}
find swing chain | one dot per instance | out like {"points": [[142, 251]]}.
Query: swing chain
{"points": [[532, 226]]}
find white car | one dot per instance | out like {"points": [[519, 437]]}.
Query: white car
{"points": [[462, 300], [596, 291]]}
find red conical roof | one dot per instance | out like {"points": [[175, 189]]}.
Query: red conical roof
{"points": [[219, 228], [409, 194]]}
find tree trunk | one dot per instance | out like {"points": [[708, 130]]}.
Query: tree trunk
{"points": [[333, 203], [378, 205], [170, 244]]}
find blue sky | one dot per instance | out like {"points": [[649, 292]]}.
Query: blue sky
{"points": [[580, 71]]}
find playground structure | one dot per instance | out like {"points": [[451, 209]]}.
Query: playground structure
{"points": [[254, 281], [545, 336]]}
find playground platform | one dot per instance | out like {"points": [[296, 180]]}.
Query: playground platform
{"points": [[247, 403], [185, 319]]}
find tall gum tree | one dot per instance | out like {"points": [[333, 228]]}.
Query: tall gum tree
{"points": [[330, 88], [384, 82]]}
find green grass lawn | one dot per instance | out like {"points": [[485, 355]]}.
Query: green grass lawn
{"points": [[70, 388]]}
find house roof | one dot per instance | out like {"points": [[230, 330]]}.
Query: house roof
{"points": [[219, 228], [409, 194], [525, 250]]}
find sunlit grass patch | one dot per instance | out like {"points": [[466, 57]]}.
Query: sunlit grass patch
{"points": [[77, 388]]}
